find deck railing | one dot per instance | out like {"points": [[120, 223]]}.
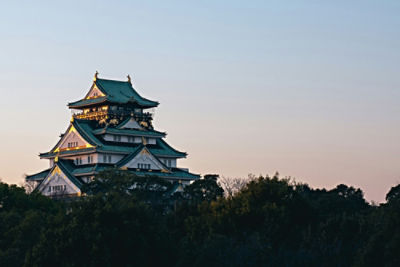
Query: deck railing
{"points": [[110, 113]]}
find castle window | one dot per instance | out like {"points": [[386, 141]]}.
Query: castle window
{"points": [[109, 158], [144, 166], [90, 159], [72, 144], [78, 161]]}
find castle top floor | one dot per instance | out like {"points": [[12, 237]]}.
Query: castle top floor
{"points": [[111, 99]]}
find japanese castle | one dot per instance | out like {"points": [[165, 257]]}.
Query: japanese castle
{"points": [[110, 127]]}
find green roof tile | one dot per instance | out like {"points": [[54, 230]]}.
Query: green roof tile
{"points": [[146, 133], [38, 176], [118, 92]]}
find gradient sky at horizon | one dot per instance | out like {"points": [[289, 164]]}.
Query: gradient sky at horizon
{"points": [[307, 88]]}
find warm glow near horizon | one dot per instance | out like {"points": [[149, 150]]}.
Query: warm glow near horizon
{"points": [[310, 89]]}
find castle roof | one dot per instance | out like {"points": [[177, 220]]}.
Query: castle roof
{"points": [[73, 172], [116, 92], [87, 129]]}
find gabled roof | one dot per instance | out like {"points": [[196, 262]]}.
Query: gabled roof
{"points": [[66, 166], [131, 156], [86, 128], [83, 130], [118, 92], [129, 123]]}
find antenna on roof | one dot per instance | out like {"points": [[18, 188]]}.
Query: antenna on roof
{"points": [[129, 79], [95, 76]]}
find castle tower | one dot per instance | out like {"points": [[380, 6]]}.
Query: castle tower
{"points": [[110, 127]]}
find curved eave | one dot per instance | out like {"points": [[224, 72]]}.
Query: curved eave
{"points": [[182, 155], [173, 175], [87, 102], [38, 176], [173, 153], [128, 132], [144, 103], [72, 152]]}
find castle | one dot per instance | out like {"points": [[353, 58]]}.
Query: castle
{"points": [[111, 127]]}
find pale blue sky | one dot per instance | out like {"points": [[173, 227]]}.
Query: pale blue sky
{"points": [[310, 89]]}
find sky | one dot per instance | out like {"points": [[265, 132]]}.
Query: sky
{"points": [[310, 89]]}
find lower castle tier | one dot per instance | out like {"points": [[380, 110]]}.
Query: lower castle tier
{"points": [[110, 128]]}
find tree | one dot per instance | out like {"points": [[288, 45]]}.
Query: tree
{"points": [[393, 195], [206, 189], [231, 185]]}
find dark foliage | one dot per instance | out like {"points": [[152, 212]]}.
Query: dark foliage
{"points": [[126, 220]]}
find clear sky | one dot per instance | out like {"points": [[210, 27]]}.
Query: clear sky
{"points": [[307, 88]]}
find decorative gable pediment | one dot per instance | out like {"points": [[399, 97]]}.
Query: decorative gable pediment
{"points": [[131, 124], [57, 183], [72, 139], [145, 157], [94, 92]]}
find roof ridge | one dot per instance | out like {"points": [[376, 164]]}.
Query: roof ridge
{"points": [[111, 80]]}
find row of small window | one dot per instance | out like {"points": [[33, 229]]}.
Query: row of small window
{"points": [[57, 188], [78, 161], [72, 144], [144, 166], [107, 158], [167, 162], [117, 138]]}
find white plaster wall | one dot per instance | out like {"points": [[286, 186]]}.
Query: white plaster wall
{"points": [[72, 137], [95, 91], [114, 158], [84, 158], [108, 137], [131, 124], [144, 158], [173, 162], [124, 139]]}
